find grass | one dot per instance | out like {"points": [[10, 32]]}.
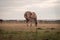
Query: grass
{"points": [[25, 35]]}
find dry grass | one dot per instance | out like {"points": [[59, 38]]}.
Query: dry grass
{"points": [[22, 26], [17, 31]]}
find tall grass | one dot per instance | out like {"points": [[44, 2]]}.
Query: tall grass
{"points": [[25, 35]]}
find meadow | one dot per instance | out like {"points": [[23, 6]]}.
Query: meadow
{"points": [[19, 31]]}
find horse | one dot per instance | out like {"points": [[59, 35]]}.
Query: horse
{"points": [[30, 17]]}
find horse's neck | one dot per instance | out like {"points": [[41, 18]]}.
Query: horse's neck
{"points": [[33, 15], [28, 15]]}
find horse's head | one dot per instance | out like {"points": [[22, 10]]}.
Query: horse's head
{"points": [[27, 14]]}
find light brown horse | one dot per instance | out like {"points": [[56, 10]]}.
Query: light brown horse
{"points": [[30, 17]]}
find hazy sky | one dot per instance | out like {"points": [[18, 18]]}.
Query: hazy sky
{"points": [[15, 9]]}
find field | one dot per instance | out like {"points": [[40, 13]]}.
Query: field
{"points": [[19, 31]]}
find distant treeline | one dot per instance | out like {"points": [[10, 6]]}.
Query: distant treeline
{"points": [[39, 21], [49, 21]]}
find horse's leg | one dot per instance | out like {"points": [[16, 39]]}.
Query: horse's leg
{"points": [[30, 22], [35, 20], [27, 22]]}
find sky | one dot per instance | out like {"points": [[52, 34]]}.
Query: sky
{"points": [[44, 9]]}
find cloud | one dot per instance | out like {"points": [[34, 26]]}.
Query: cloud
{"points": [[15, 9]]}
